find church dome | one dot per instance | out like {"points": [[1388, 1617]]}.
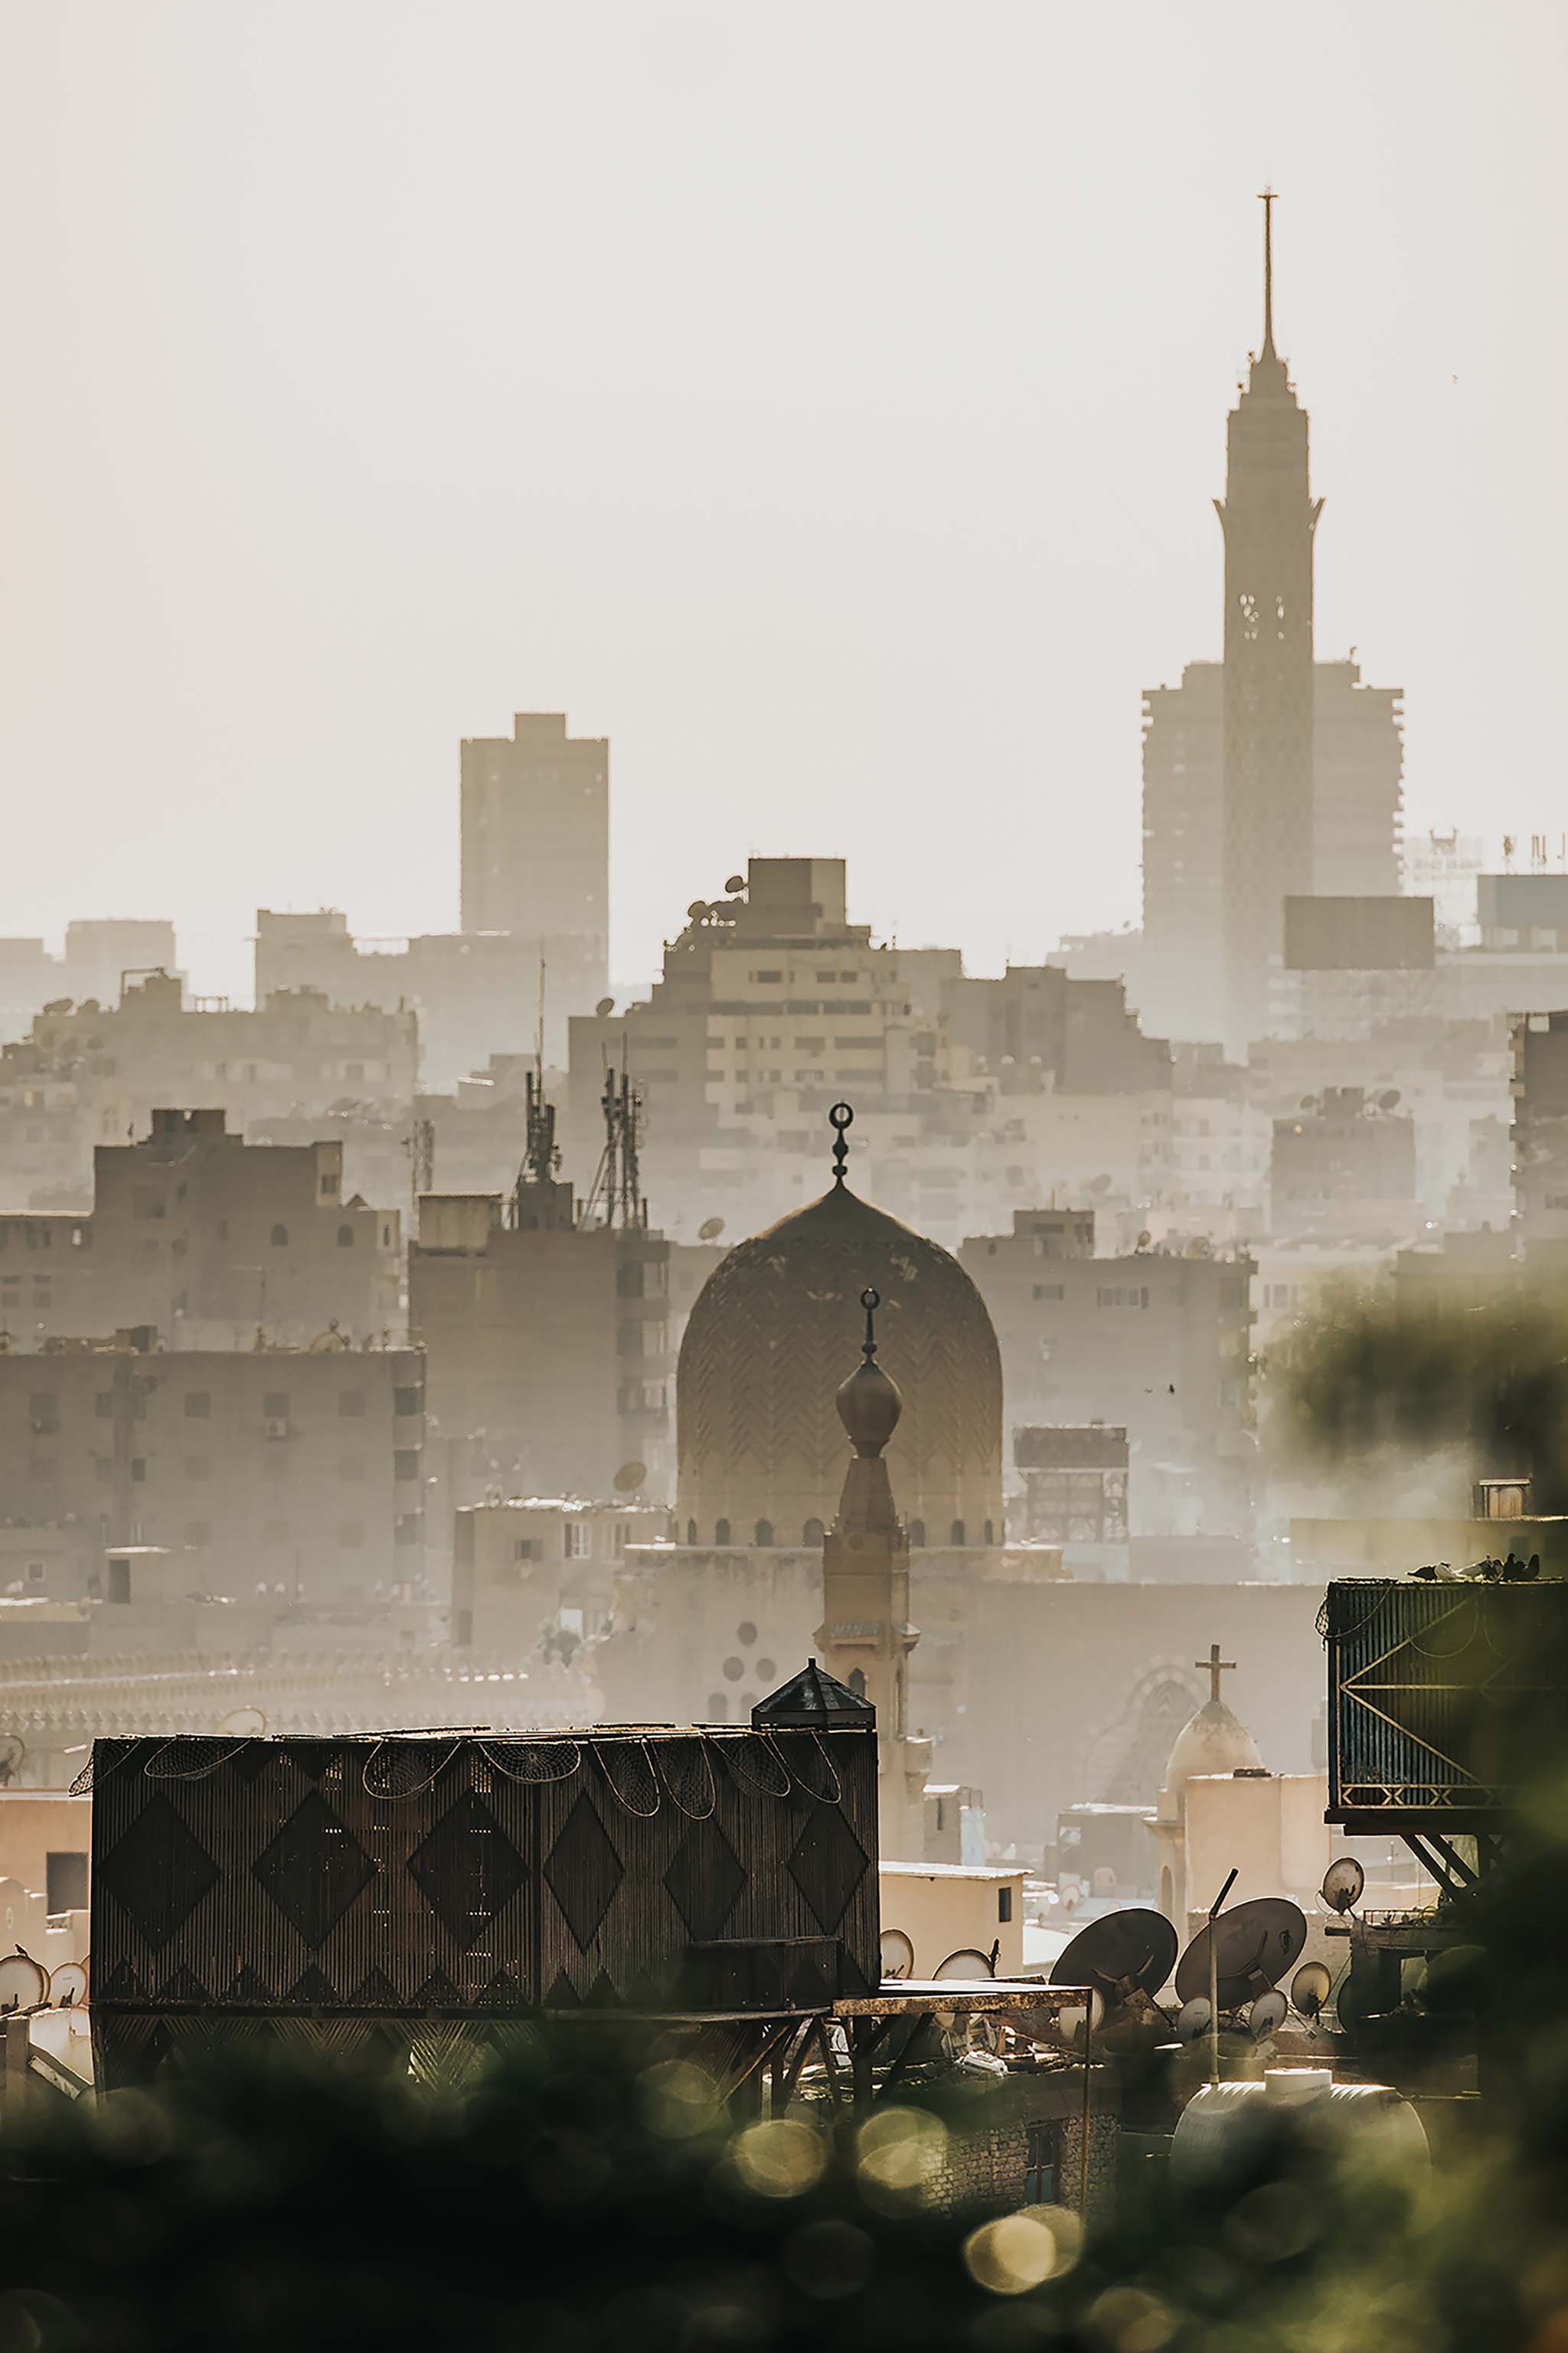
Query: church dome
{"points": [[1213, 1741], [774, 1331]]}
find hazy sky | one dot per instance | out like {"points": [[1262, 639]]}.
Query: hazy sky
{"points": [[823, 401]]}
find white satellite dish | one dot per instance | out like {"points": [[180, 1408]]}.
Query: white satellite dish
{"points": [[1268, 2014], [966, 1963], [1309, 1988], [23, 1984], [1342, 1883], [898, 1955], [1192, 2019], [67, 1985]]}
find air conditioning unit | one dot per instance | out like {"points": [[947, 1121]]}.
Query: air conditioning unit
{"points": [[277, 1426]]}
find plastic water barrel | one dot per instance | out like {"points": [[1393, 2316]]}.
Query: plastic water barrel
{"points": [[1214, 2125]]}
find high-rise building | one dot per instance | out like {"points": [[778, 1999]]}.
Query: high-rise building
{"points": [[536, 849], [1268, 773], [1268, 517]]}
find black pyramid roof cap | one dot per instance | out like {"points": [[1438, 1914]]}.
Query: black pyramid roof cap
{"points": [[814, 1699]]}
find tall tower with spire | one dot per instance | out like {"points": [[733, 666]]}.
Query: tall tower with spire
{"points": [[1270, 519]]}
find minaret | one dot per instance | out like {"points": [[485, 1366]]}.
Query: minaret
{"points": [[1268, 517], [866, 1637]]}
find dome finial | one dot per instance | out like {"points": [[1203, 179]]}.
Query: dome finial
{"points": [[868, 1403], [840, 1117]]}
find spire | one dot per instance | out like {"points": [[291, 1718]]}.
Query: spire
{"points": [[840, 1117], [1267, 199]]}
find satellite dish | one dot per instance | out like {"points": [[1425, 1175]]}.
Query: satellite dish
{"points": [[1255, 1943], [1342, 1883], [1192, 2019], [605, 1007], [1308, 1103], [1309, 1988], [67, 1985], [1389, 1099], [736, 882], [13, 1750], [23, 1984], [966, 1963], [710, 1230], [898, 1955], [696, 910], [1121, 1953], [629, 1478], [1268, 2014]]}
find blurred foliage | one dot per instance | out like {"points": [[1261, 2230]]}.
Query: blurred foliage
{"points": [[1361, 1377], [578, 2191]]}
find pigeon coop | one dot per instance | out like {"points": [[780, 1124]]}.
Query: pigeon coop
{"points": [[355, 1888], [1433, 1691]]}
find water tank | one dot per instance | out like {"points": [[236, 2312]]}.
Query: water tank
{"points": [[1215, 2127]]}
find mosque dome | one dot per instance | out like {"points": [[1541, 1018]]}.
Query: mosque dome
{"points": [[760, 1451], [1213, 1741]]}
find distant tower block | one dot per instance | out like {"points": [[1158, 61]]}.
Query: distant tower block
{"points": [[536, 851], [1270, 520]]}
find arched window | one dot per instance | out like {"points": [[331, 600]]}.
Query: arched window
{"points": [[692, 1532], [812, 1533], [957, 1535], [720, 1532], [280, 1237], [857, 1682], [917, 1532], [764, 1532], [718, 1707], [990, 1533], [345, 1238]]}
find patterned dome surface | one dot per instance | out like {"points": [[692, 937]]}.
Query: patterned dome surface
{"points": [[774, 1331]]}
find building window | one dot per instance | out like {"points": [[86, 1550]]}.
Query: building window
{"points": [[763, 1532], [139, 1469], [857, 1682], [345, 1238], [528, 1548], [917, 1532], [65, 1881], [199, 1404], [1040, 2165], [43, 1409], [746, 1633], [1004, 1903], [733, 1671], [406, 1401], [329, 1181], [957, 1536], [692, 1532], [579, 1540], [410, 1528], [720, 1532], [812, 1533], [405, 1463], [351, 1402], [280, 1237]]}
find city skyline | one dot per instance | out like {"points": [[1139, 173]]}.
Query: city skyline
{"points": [[818, 502]]}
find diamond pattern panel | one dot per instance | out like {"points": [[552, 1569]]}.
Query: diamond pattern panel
{"points": [[827, 1863], [158, 1872], [313, 1869], [704, 1879], [583, 1871], [467, 1869]]}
